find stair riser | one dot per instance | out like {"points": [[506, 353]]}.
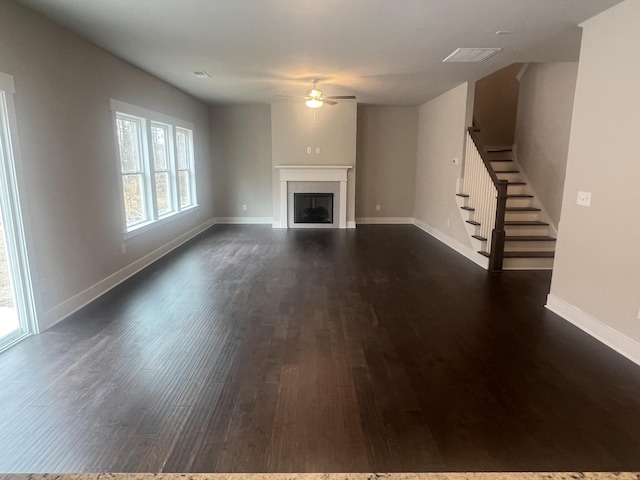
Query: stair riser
{"points": [[500, 155], [520, 202], [515, 216], [526, 230], [527, 264], [501, 166], [517, 189], [514, 246]]}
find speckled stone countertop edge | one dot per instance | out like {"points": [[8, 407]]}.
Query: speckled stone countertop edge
{"points": [[328, 476]]}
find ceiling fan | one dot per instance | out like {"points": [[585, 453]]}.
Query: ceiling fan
{"points": [[316, 98]]}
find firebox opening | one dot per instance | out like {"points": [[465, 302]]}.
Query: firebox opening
{"points": [[313, 207]]}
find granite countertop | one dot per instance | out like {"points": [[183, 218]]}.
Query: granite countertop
{"points": [[330, 476]]}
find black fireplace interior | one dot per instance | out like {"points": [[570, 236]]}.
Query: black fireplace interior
{"points": [[313, 207]]}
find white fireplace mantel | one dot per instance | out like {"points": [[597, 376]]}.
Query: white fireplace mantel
{"points": [[313, 173]]}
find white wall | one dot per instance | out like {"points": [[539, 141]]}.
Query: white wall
{"points": [[596, 279], [387, 147], [241, 151], [545, 106], [442, 125], [293, 130], [71, 197]]}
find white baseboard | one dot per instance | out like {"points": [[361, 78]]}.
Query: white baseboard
{"points": [[385, 220], [244, 220], [351, 224], [75, 303], [609, 336], [459, 247]]}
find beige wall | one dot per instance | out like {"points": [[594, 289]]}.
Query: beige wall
{"points": [[442, 124], [543, 125], [597, 267], [241, 151], [70, 172], [293, 130], [495, 106], [387, 143]]}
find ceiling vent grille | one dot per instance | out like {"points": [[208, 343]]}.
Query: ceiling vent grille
{"points": [[471, 55], [201, 74]]}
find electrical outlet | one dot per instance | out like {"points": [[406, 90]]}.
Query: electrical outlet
{"points": [[244, 208], [584, 198], [378, 208], [317, 149], [308, 149]]}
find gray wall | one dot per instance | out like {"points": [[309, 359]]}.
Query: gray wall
{"points": [[241, 150], [70, 197], [387, 147], [543, 125], [441, 135], [495, 106], [597, 267], [334, 132]]}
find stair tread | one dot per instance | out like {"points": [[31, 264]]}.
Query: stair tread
{"points": [[500, 160], [522, 209], [468, 209], [507, 171], [498, 149], [526, 222], [463, 195], [479, 237], [515, 183], [519, 195], [484, 254], [472, 222], [532, 254], [529, 238]]}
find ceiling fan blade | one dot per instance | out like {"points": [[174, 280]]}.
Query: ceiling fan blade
{"points": [[329, 102], [341, 97], [292, 96]]}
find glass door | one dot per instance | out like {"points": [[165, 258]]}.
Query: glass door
{"points": [[17, 311]]}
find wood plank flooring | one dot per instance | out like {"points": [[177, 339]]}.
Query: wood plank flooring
{"points": [[261, 350]]}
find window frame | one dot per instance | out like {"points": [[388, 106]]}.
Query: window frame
{"points": [[147, 119]]}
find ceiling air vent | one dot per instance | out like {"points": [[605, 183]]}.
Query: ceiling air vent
{"points": [[471, 54], [201, 74]]}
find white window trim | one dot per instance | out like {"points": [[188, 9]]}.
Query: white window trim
{"points": [[117, 106]]}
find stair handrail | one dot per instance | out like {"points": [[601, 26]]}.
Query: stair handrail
{"points": [[496, 252]]}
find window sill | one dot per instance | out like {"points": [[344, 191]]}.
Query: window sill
{"points": [[146, 227]]}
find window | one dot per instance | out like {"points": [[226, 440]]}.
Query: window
{"points": [[156, 165]]}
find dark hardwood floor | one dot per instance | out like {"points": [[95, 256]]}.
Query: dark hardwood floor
{"points": [[379, 349]]}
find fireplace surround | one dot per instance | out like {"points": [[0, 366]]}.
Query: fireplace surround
{"points": [[313, 179]]}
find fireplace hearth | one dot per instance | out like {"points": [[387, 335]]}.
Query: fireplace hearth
{"points": [[313, 208]]}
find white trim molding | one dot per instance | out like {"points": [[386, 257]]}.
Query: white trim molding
{"points": [[612, 338], [313, 173], [75, 303], [385, 220], [244, 220], [451, 242]]}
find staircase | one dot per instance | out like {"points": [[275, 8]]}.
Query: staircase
{"points": [[529, 242]]}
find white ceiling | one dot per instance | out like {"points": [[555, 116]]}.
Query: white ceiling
{"points": [[384, 51]]}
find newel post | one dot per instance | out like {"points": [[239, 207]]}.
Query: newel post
{"points": [[496, 255]]}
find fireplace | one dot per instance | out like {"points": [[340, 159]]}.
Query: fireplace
{"points": [[313, 179], [313, 207]]}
